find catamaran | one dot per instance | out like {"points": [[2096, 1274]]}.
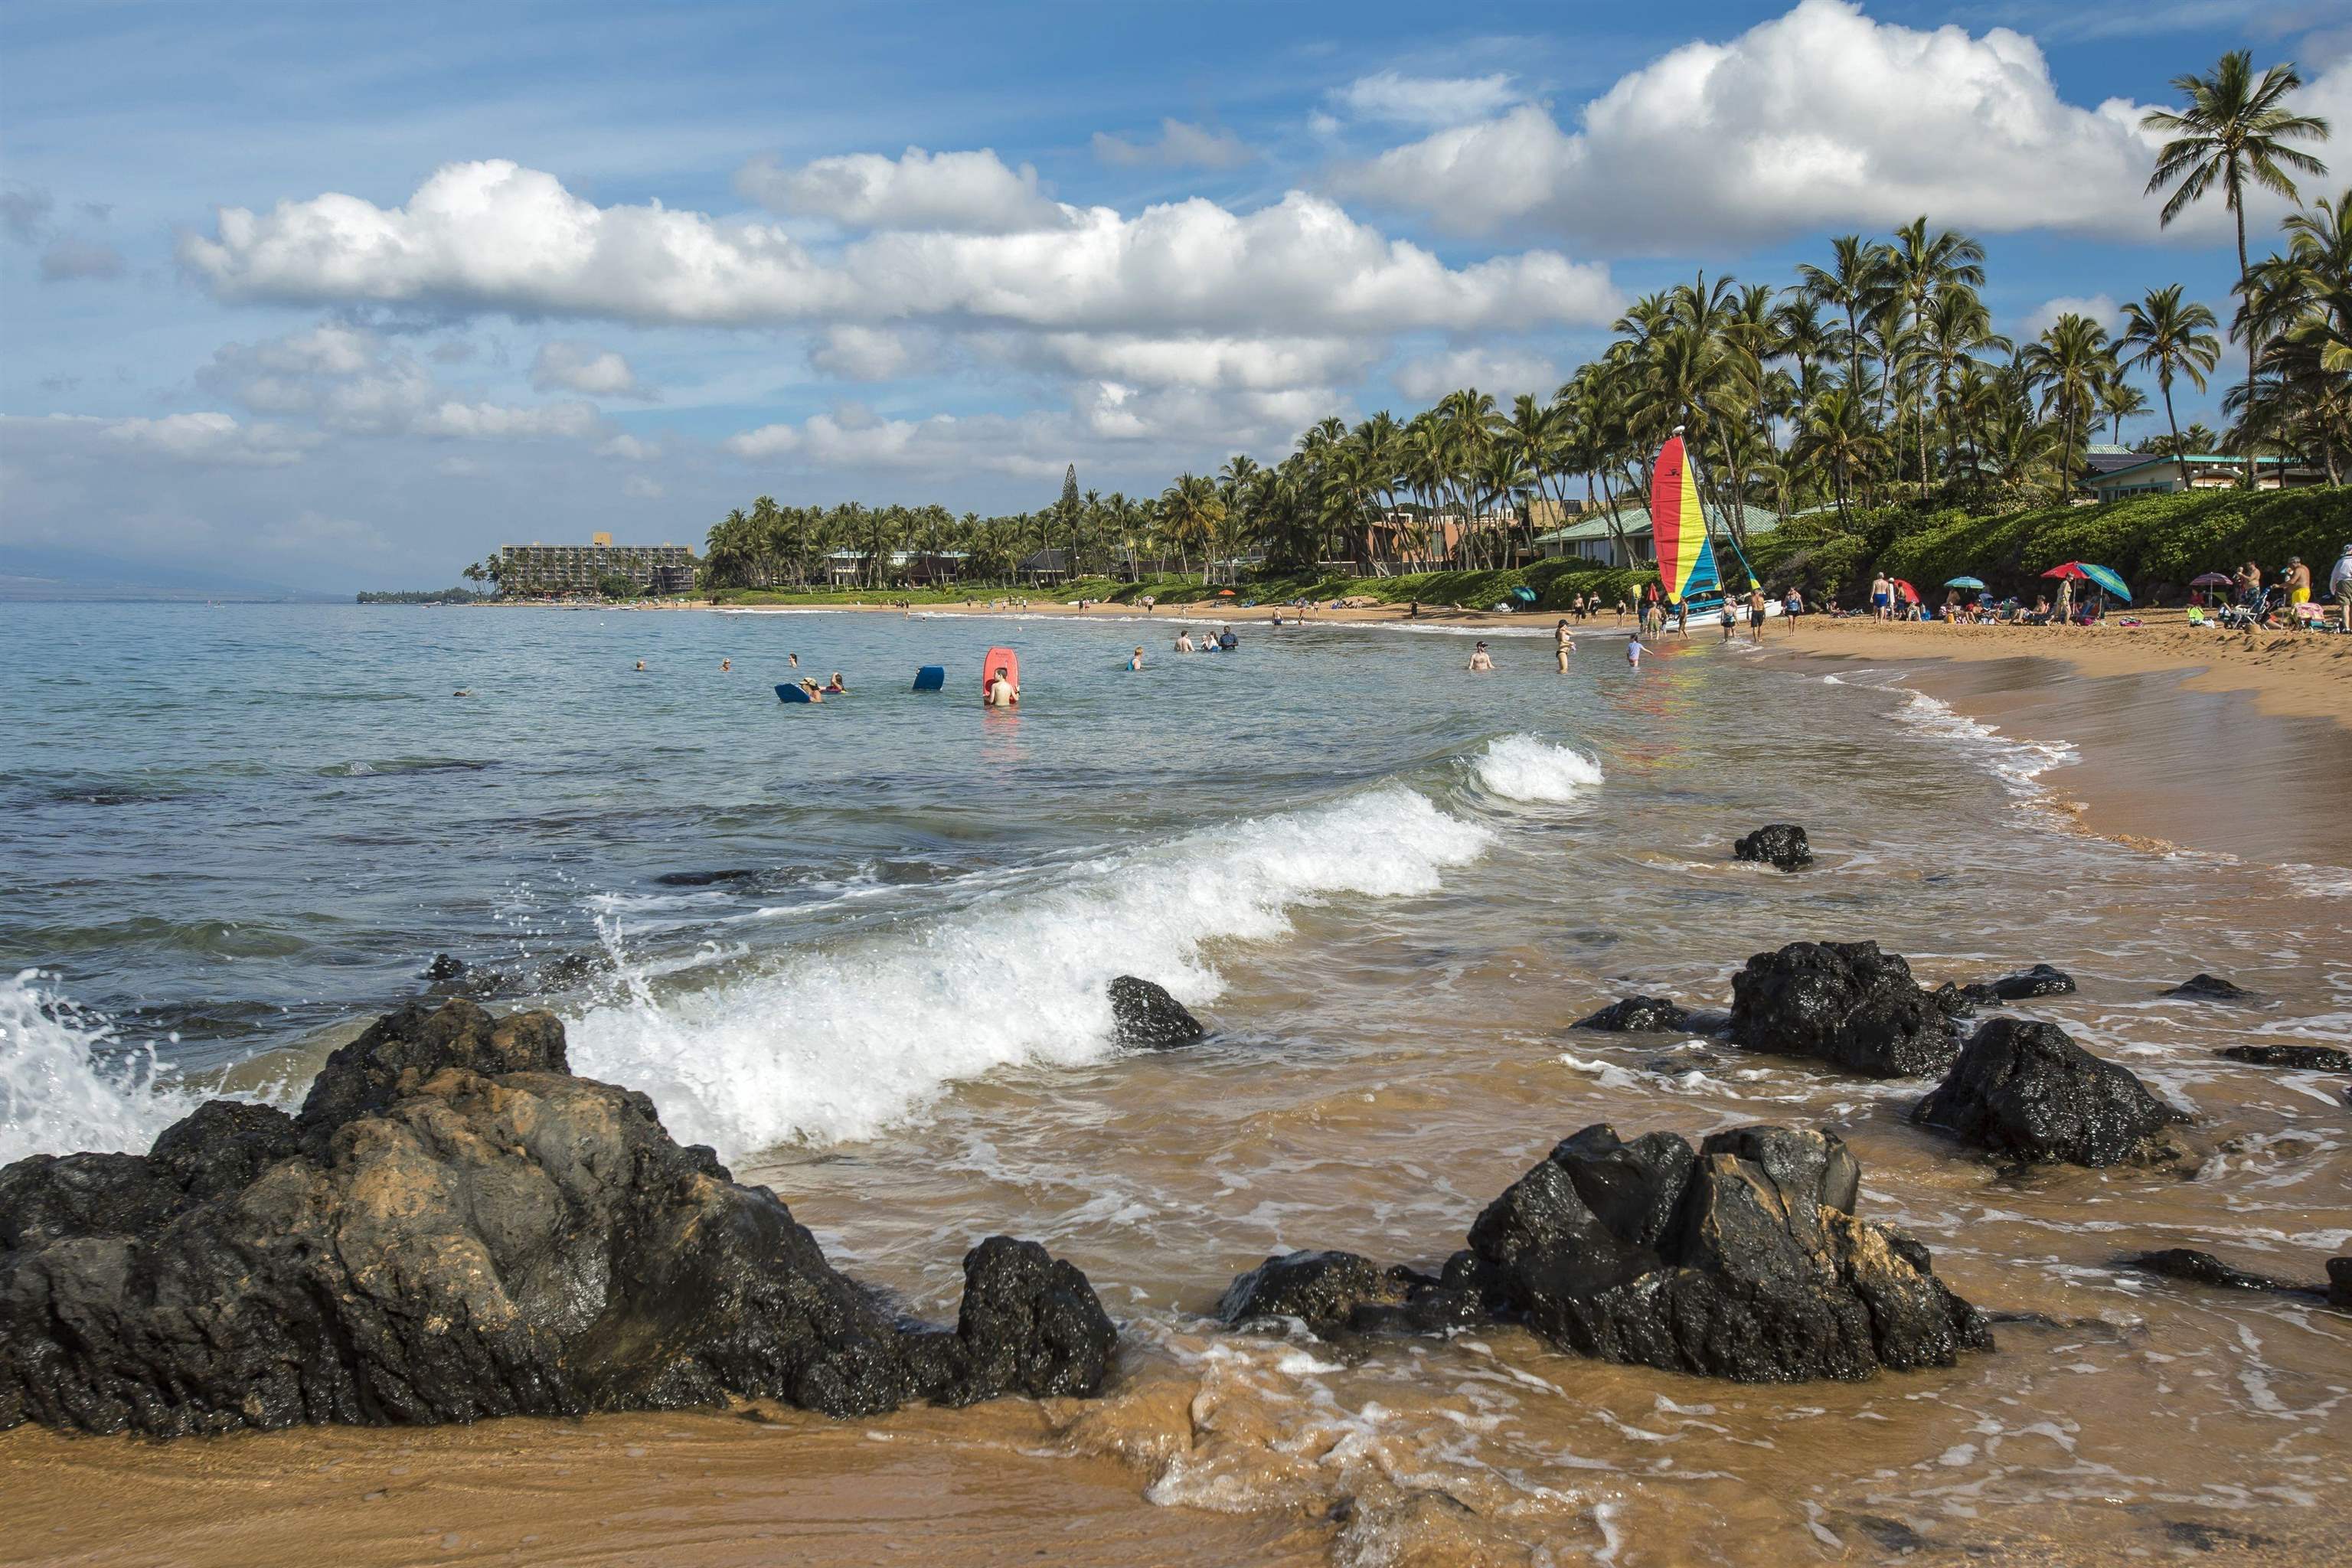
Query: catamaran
{"points": [[1683, 537]]}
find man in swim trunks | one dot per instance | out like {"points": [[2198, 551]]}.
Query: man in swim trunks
{"points": [[2298, 582], [1001, 692], [1480, 659], [1882, 595]]}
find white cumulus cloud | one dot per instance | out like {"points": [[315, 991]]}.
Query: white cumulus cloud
{"points": [[494, 237], [567, 366], [967, 192], [860, 354], [1503, 373], [353, 382], [1821, 116]]}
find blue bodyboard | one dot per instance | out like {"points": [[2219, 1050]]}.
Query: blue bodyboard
{"points": [[931, 678], [791, 694]]}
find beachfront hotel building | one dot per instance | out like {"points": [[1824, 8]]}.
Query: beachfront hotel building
{"points": [[1595, 537], [2112, 473], [551, 571]]}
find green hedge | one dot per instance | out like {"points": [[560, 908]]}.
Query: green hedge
{"points": [[2157, 543]]}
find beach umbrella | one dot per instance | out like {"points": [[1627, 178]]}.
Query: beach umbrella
{"points": [[1964, 583], [2111, 580], [1224, 593], [1524, 595], [2212, 580], [2067, 569], [1910, 594]]}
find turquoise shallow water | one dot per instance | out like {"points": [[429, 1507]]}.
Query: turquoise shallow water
{"points": [[862, 948]]}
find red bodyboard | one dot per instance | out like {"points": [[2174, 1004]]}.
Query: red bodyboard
{"points": [[998, 658]]}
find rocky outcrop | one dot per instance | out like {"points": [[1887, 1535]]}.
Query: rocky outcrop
{"points": [[2202, 987], [2309, 1058], [1845, 1003], [2204, 1268], [1742, 1259], [1781, 843], [453, 1227], [2042, 980], [1148, 1017], [2024, 1090]]}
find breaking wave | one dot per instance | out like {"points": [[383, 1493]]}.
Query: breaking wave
{"points": [[1521, 767]]}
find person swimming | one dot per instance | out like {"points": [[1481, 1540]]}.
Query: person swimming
{"points": [[834, 685], [1001, 692], [1135, 660], [814, 694], [641, 663], [726, 665]]}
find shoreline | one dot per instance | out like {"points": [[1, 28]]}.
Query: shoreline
{"points": [[2232, 745]]}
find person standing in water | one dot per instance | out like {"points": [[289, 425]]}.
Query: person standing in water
{"points": [[1183, 640], [1729, 616], [1563, 644], [1135, 660], [1481, 660], [1001, 692], [1633, 650]]}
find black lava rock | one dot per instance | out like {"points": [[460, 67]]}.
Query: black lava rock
{"points": [[1147, 1016], [2201, 987], [1339, 1292], [455, 1228], [2026, 1091], [2204, 1268], [2339, 1283], [2310, 1059], [444, 968], [1638, 1016], [1742, 1260], [2041, 980], [1781, 843], [1845, 1003]]}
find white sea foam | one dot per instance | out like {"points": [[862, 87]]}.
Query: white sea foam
{"points": [[1521, 767], [2019, 764], [837, 1043], [67, 1083]]}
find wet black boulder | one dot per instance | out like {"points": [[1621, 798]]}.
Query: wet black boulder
{"points": [[1639, 1015], [1742, 1259], [455, 1227], [1781, 843], [2042, 980], [2204, 1268], [2310, 1059], [1148, 1016], [2203, 987], [1845, 1003], [2024, 1090], [1334, 1293]]}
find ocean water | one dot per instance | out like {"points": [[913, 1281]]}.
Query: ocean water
{"points": [[862, 948]]}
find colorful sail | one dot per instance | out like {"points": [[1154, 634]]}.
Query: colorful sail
{"points": [[1677, 526]]}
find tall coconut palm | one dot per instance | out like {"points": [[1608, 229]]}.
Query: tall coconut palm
{"points": [[1920, 266], [2174, 338], [2069, 362], [1192, 511], [1853, 283], [2235, 129], [2119, 400]]}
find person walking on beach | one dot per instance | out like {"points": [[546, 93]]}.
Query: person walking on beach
{"points": [[2339, 585], [1730, 616], [1681, 618], [2298, 585], [1563, 644], [2066, 610], [1792, 607], [1621, 609], [1882, 597], [1481, 660], [1754, 611]]}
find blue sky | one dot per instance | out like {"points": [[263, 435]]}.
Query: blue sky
{"points": [[349, 296]]}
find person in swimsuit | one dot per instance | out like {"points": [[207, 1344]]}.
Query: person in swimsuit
{"points": [[835, 686], [1563, 644], [1730, 616], [1183, 642], [814, 694], [1633, 651], [1135, 660], [1480, 659], [1001, 692]]}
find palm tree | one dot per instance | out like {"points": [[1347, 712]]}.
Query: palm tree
{"points": [[1836, 435], [1918, 267], [1856, 283], [2233, 129], [2119, 400], [1192, 511], [2070, 362], [2174, 339]]}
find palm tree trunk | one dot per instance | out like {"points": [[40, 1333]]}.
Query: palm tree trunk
{"points": [[2246, 292]]}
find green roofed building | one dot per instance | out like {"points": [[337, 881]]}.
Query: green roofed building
{"points": [[2113, 476], [1593, 538]]}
